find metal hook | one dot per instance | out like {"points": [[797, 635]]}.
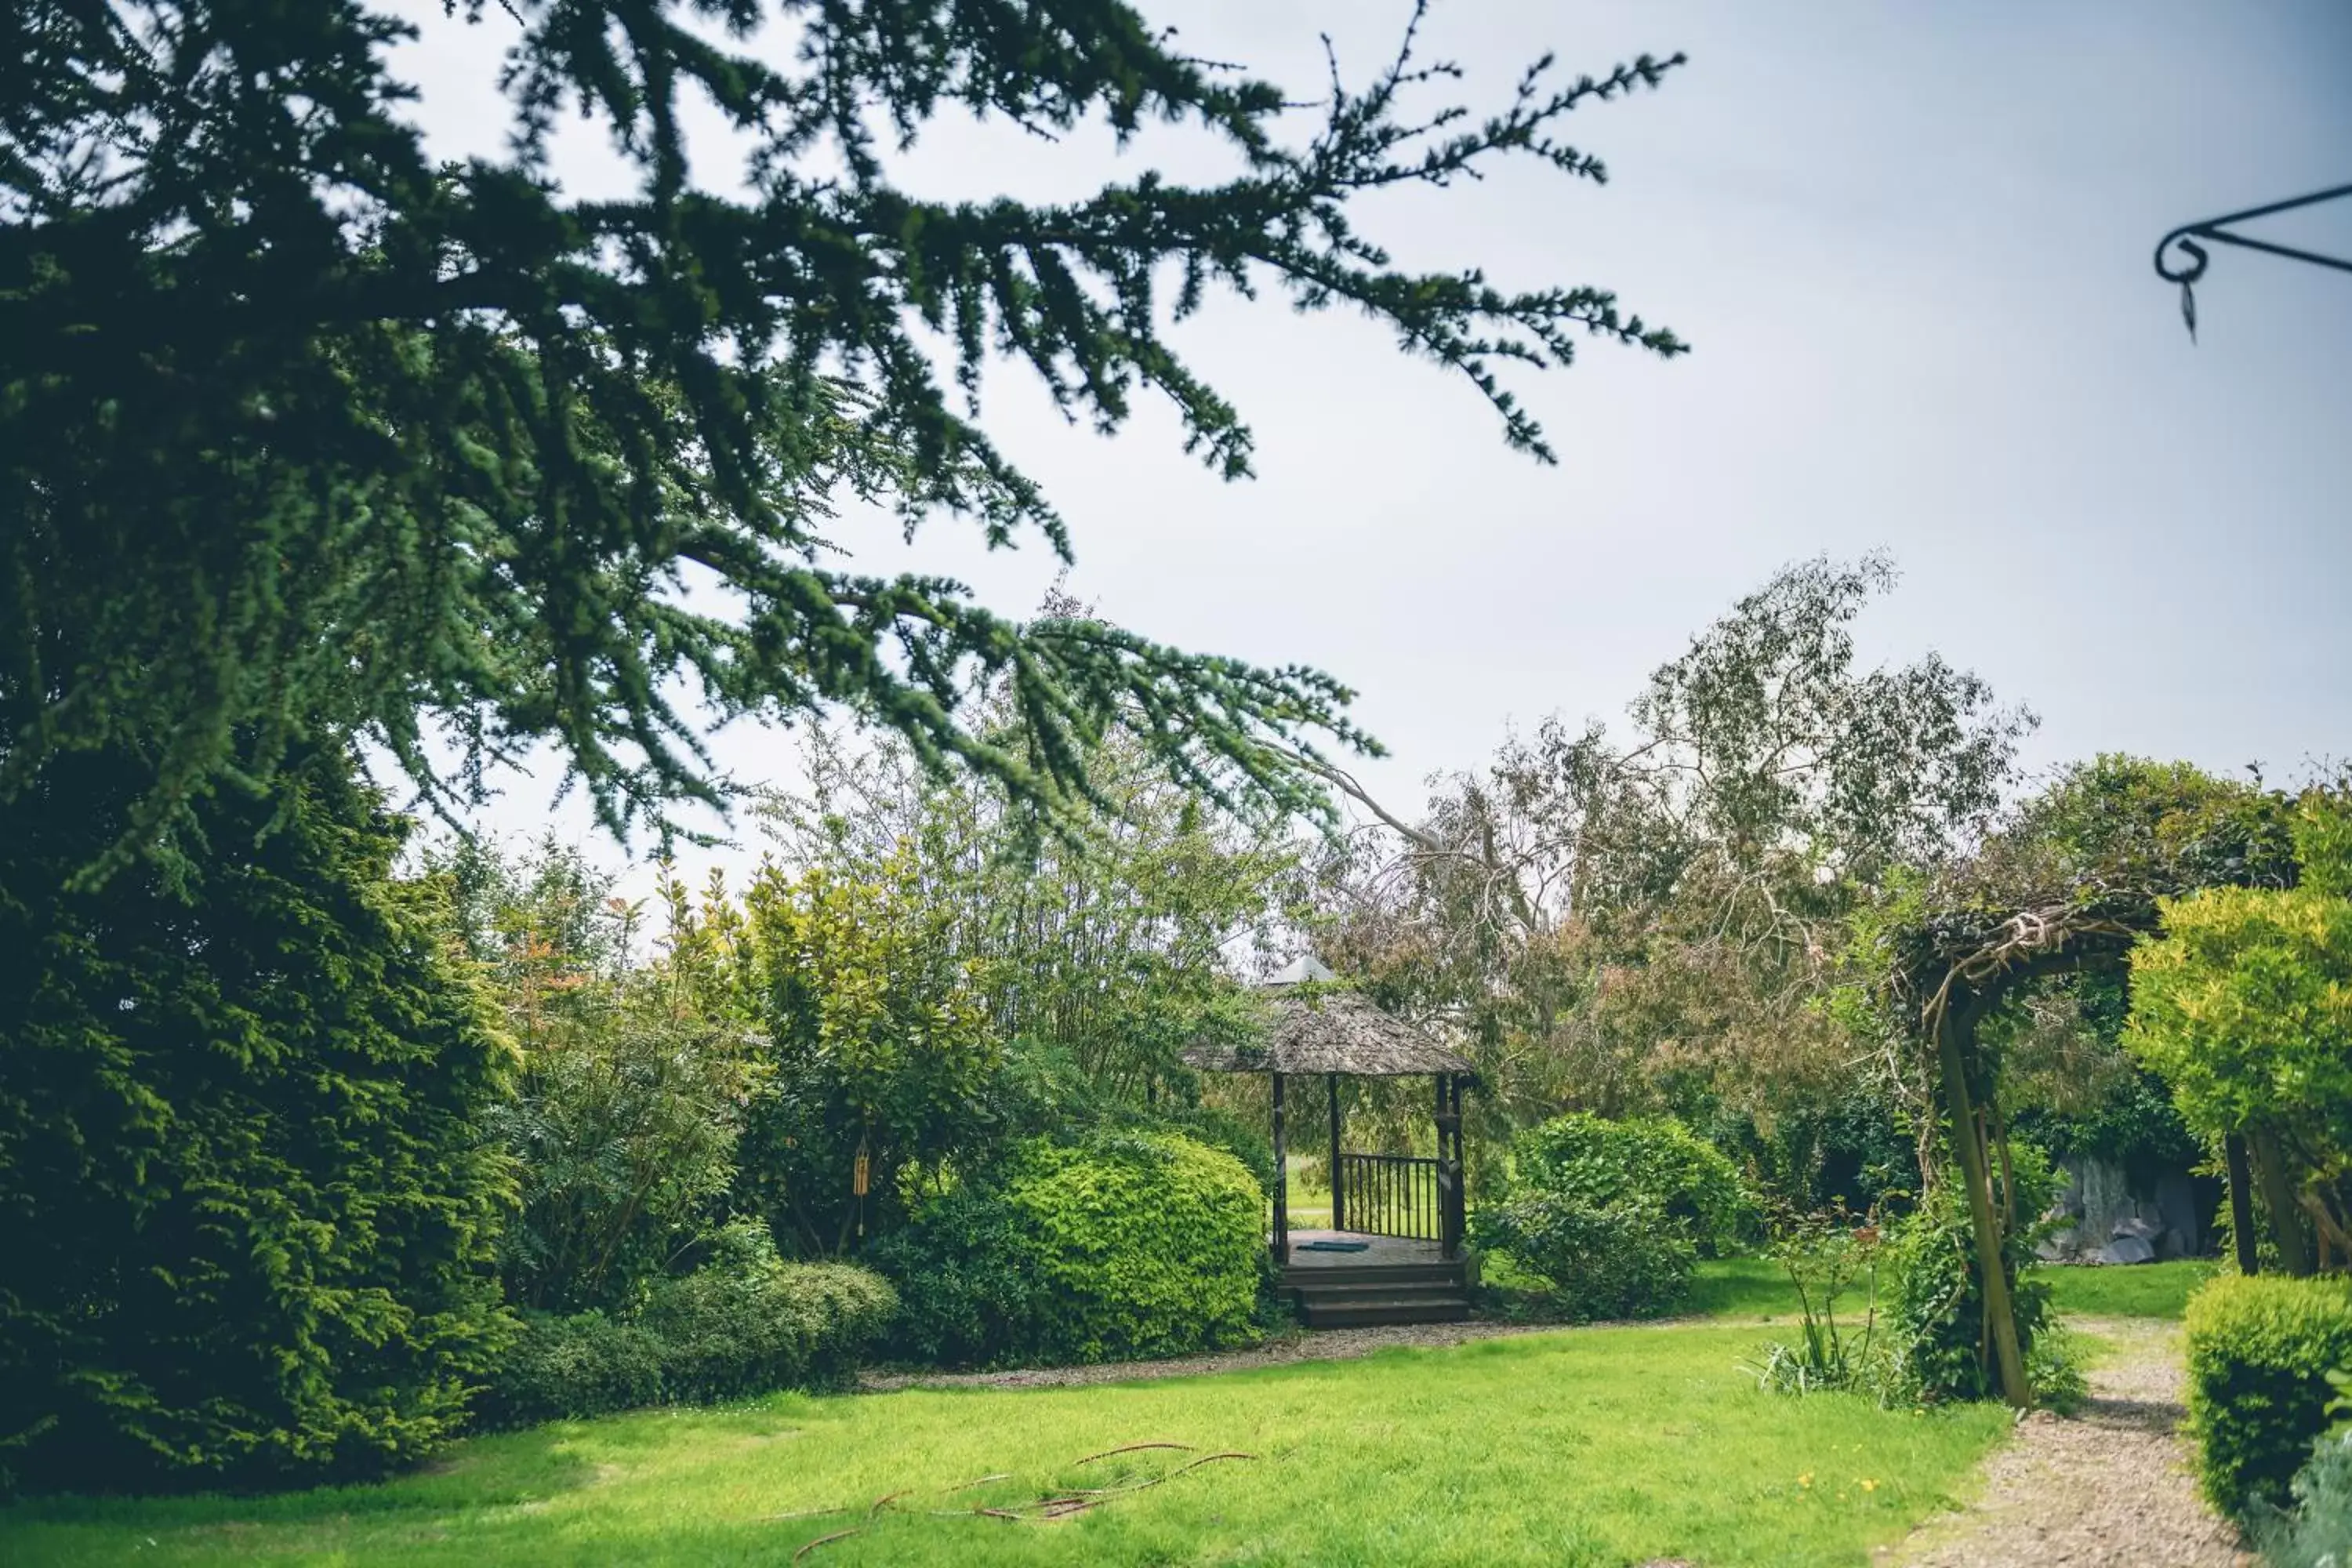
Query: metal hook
{"points": [[2187, 273]]}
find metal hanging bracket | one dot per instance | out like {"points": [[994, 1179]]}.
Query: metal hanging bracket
{"points": [[2183, 243]]}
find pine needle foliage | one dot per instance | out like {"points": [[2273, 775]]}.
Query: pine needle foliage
{"points": [[249, 1217], [304, 431]]}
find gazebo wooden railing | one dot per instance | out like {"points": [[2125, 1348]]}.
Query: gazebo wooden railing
{"points": [[1388, 1195]]}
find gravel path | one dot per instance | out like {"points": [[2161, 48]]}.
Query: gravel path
{"points": [[2107, 1487], [1318, 1344]]}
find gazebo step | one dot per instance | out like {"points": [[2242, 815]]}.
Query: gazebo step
{"points": [[1366, 1312], [1303, 1275], [1325, 1293]]}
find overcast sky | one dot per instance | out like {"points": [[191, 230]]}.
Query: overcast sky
{"points": [[1910, 245]]}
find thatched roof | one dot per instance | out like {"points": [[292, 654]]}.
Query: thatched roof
{"points": [[1321, 1031]]}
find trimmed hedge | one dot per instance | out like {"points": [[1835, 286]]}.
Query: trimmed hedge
{"points": [[1149, 1242], [1125, 1244], [726, 1332], [2260, 1351]]}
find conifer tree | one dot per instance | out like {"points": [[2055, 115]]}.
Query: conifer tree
{"points": [[249, 1217], [303, 432]]}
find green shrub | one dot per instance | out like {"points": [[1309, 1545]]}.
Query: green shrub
{"points": [[1127, 1244], [1599, 1165], [1146, 1244], [572, 1364], [970, 1290], [2317, 1532], [248, 1213], [2260, 1351], [725, 1334], [743, 1324], [1823, 1255], [1247, 1141], [1934, 1319], [1622, 1260]]}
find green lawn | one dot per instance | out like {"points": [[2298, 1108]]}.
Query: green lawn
{"points": [[1587, 1446], [2127, 1290], [1756, 1290]]}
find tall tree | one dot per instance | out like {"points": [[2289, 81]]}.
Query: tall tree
{"points": [[301, 430], [1605, 915], [249, 1215], [2244, 1005], [1106, 950]]}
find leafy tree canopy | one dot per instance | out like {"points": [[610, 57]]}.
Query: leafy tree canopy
{"points": [[2244, 1005], [1105, 950], [1606, 912], [635, 1076], [302, 428]]}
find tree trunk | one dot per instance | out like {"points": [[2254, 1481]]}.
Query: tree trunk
{"points": [[2000, 1318], [2242, 1204], [2278, 1196]]}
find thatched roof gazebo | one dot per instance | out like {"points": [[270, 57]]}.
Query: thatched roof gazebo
{"points": [[1331, 1032], [1316, 1029]]}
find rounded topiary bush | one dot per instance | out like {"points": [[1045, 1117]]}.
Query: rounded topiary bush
{"points": [[1147, 1244], [1125, 1245]]}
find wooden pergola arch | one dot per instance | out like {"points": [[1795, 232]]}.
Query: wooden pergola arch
{"points": [[2026, 946]]}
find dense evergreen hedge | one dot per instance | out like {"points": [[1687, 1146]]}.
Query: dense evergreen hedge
{"points": [[247, 1213], [2260, 1351]]}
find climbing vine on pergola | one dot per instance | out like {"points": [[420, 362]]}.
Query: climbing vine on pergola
{"points": [[2070, 883]]}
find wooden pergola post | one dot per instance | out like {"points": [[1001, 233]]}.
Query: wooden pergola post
{"points": [[1281, 1182], [2009, 1365]]}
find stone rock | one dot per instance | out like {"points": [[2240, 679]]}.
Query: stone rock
{"points": [[2127, 1249], [2146, 1230]]}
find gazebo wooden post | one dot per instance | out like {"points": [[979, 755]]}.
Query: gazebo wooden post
{"points": [[1281, 1182], [1338, 1208], [1449, 1166]]}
